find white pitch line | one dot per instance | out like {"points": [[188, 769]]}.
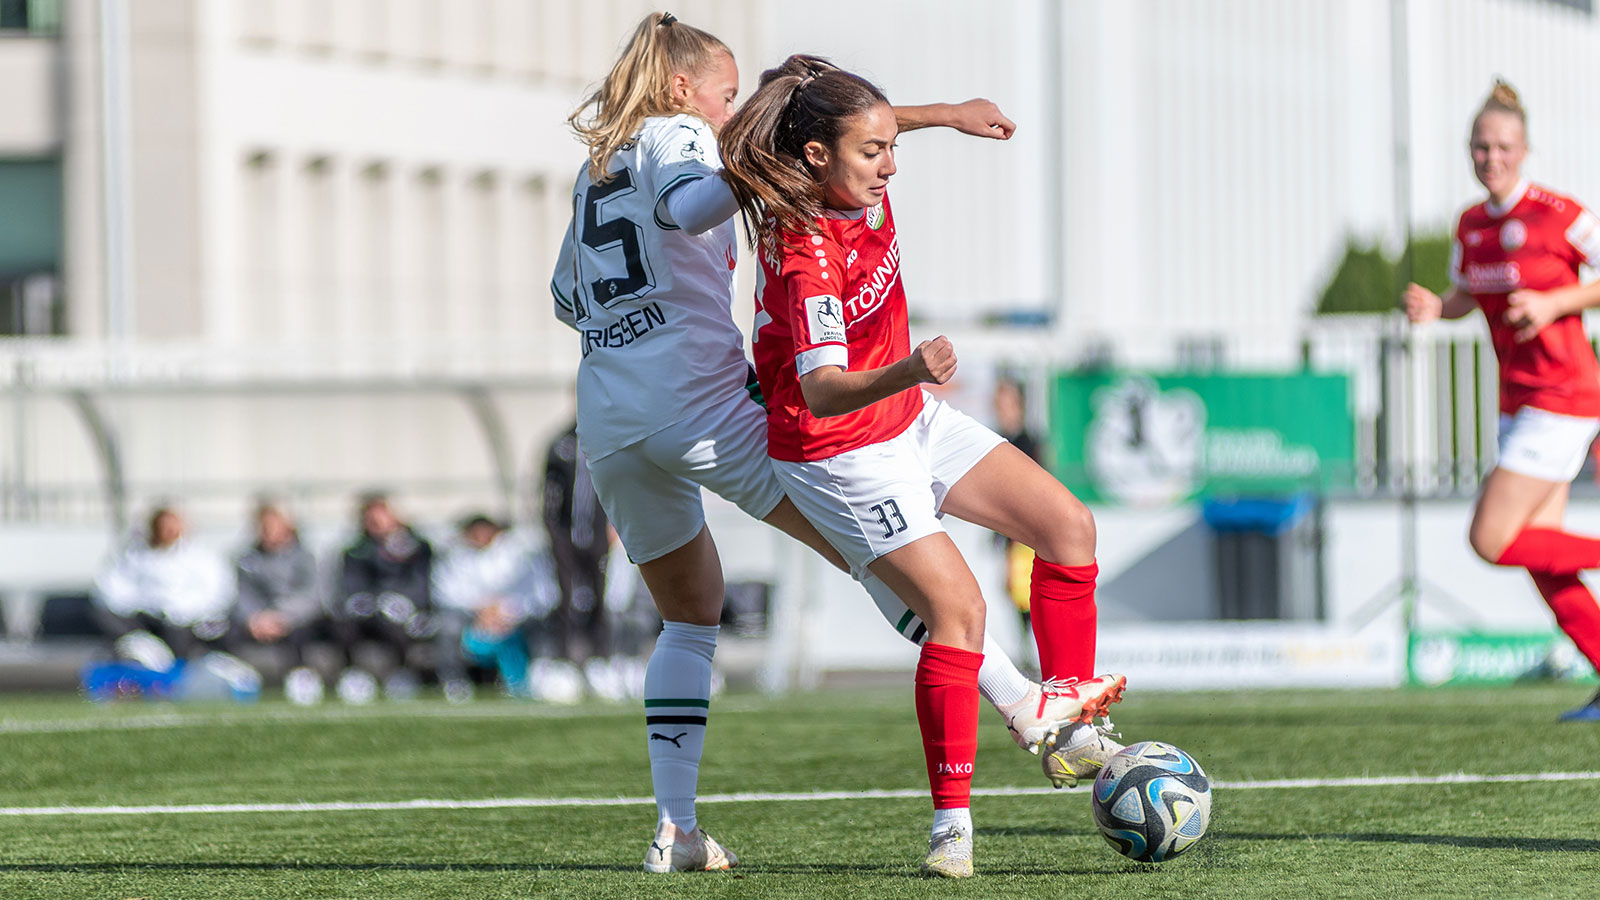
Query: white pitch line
{"points": [[329, 714], [756, 797]]}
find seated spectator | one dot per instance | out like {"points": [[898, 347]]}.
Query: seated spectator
{"points": [[164, 598], [489, 589], [382, 609], [279, 619]]}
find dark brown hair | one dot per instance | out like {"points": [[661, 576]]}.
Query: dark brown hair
{"points": [[805, 99]]}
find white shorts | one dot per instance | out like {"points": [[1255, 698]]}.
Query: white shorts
{"points": [[650, 489], [881, 497], [1545, 445]]}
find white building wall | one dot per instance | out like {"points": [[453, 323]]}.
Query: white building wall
{"points": [[1548, 52], [365, 184], [29, 69], [1215, 154]]}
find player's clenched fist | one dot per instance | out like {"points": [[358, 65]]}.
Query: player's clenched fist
{"points": [[1422, 305], [934, 361]]}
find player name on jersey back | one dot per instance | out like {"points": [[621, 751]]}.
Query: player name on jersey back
{"points": [[630, 326]]}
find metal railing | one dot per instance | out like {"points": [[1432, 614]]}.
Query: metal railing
{"points": [[1424, 399]]}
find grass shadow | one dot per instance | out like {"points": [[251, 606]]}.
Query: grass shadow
{"points": [[1538, 845], [895, 870]]}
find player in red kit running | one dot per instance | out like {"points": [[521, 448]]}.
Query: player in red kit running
{"points": [[871, 459], [1516, 257]]}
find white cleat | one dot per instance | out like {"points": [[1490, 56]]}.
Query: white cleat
{"points": [[1079, 753], [1053, 707], [674, 851], [949, 854]]}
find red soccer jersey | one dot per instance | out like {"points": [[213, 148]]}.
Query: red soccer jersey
{"points": [[1535, 243], [833, 299]]}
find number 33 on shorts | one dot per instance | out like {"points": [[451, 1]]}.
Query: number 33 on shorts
{"points": [[889, 517]]}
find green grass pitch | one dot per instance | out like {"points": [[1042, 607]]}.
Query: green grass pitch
{"points": [[1397, 842]]}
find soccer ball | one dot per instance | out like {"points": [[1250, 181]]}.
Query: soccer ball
{"points": [[1152, 801]]}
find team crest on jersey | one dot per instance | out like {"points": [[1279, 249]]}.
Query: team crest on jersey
{"points": [[875, 217], [825, 319], [1513, 234], [1474, 238]]}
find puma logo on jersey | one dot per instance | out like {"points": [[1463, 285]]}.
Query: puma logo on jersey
{"points": [[673, 740]]}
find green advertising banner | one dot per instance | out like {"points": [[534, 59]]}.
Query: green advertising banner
{"points": [[1439, 658], [1153, 439]]}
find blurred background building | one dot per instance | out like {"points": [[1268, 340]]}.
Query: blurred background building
{"points": [[302, 247]]}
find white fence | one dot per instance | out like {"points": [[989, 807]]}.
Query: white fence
{"points": [[1424, 399]]}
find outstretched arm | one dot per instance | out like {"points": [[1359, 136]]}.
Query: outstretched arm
{"points": [[977, 117]]}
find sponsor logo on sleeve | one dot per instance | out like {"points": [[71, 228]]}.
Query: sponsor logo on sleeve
{"points": [[825, 319]]}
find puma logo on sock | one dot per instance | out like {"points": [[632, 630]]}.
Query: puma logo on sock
{"points": [[662, 737]]}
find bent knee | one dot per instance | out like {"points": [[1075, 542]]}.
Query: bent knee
{"points": [[1488, 545], [959, 625], [1070, 539], [972, 624]]}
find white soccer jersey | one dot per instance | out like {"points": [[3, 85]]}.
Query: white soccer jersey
{"points": [[650, 302]]}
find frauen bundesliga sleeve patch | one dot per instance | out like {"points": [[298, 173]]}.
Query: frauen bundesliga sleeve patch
{"points": [[1584, 236], [825, 319]]}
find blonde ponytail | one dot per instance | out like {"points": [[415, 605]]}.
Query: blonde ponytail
{"points": [[639, 85]]}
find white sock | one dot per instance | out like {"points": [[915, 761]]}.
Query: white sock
{"points": [[1076, 735], [900, 617], [998, 679], [677, 699], [960, 818]]}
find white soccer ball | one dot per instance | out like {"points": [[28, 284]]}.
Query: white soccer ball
{"points": [[1152, 801]]}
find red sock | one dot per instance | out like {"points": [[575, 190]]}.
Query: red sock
{"points": [[1061, 602], [1551, 551], [947, 711], [1575, 609]]}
